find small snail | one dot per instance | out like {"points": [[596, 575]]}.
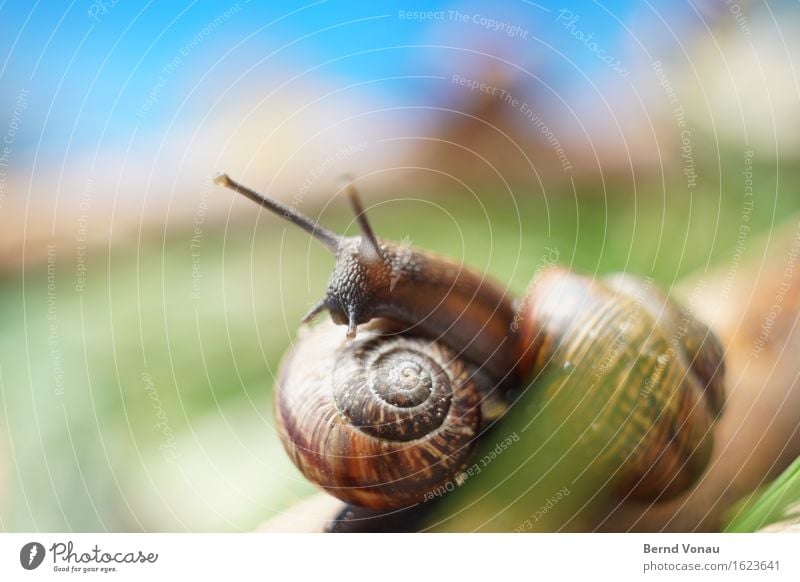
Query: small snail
{"points": [[381, 418]]}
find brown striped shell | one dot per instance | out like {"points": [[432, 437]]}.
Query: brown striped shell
{"points": [[380, 420], [385, 418], [638, 378]]}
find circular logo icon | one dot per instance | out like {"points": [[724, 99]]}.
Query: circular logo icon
{"points": [[31, 555]]}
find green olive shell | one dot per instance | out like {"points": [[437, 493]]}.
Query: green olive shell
{"points": [[638, 379]]}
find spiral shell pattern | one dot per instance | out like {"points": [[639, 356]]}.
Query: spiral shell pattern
{"points": [[378, 421]]}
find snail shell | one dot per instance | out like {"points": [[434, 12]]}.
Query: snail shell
{"points": [[639, 378], [378, 421]]}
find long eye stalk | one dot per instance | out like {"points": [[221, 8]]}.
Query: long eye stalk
{"points": [[327, 237], [369, 242]]}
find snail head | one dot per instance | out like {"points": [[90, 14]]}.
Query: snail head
{"points": [[363, 269]]}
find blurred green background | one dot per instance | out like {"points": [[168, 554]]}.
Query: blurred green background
{"points": [[142, 398], [97, 451]]}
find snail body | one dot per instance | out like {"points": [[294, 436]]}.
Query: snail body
{"points": [[431, 295], [382, 419]]}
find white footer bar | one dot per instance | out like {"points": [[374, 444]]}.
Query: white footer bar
{"points": [[400, 557]]}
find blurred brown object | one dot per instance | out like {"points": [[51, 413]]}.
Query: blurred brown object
{"points": [[753, 305]]}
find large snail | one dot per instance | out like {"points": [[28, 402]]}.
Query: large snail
{"points": [[382, 418]]}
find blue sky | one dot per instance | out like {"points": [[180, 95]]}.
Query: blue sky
{"points": [[88, 75]]}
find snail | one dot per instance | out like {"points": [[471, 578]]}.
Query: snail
{"points": [[434, 353]]}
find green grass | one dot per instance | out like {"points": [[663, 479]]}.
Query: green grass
{"points": [[779, 501]]}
